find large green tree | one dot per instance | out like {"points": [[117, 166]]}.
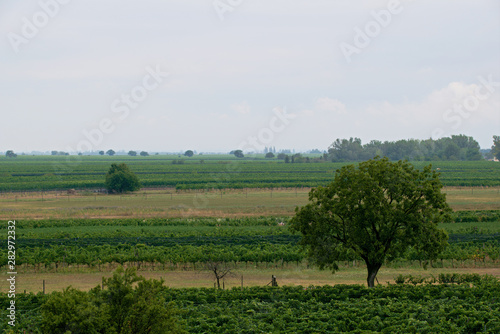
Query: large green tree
{"points": [[377, 210], [120, 179]]}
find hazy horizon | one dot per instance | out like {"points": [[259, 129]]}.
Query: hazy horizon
{"points": [[219, 75]]}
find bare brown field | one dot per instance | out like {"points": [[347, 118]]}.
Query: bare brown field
{"points": [[85, 280], [169, 203]]}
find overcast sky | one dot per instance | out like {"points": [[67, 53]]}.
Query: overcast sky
{"points": [[218, 75]]}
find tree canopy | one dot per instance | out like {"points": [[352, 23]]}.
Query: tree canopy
{"points": [[10, 154], [456, 147], [120, 179], [377, 210], [269, 155], [122, 307], [189, 153], [495, 149], [238, 153]]}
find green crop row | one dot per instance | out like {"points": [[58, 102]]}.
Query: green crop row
{"points": [[230, 250]]}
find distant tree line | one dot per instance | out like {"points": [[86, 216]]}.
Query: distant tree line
{"points": [[459, 147], [299, 158], [134, 153], [59, 153]]}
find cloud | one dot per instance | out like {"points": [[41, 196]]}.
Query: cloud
{"points": [[457, 108], [331, 105], [436, 105], [241, 108]]}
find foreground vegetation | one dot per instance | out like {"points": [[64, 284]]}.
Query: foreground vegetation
{"points": [[472, 306]]}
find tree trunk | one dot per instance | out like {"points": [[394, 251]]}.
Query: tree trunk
{"points": [[372, 273]]}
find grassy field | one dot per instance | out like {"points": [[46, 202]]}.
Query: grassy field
{"points": [[171, 203]]}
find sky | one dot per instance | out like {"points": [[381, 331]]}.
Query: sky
{"points": [[219, 75]]}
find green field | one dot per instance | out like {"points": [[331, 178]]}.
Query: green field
{"points": [[36, 173], [236, 213]]}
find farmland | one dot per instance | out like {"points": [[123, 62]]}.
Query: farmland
{"points": [[40, 173], [236, 212], [163, 245]]}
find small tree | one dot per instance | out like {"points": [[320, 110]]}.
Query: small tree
{"points": [[132, 153], [128, 304], [219, 269], [238, 154], [189, 153], [110, 152], [120, 179], [10, 154], [71, 310], [101, 152], [144, 154], [375, 211], [270, 155]]}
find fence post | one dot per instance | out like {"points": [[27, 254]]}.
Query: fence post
{"points": [[273, 281]]}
